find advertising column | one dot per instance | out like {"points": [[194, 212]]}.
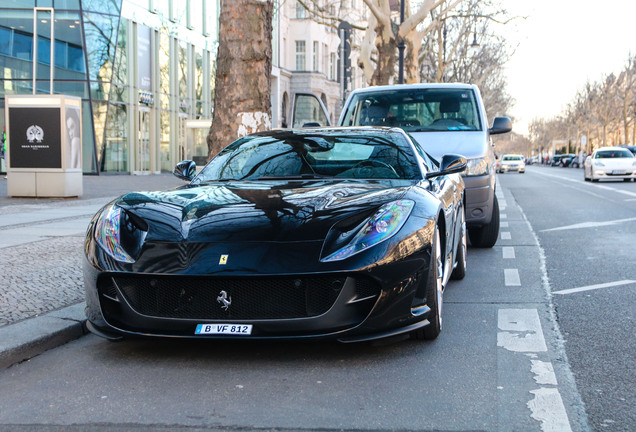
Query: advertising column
{"points": [[45, 147]]}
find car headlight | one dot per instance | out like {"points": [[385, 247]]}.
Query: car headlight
{"points": [[598, 163], [380, 227], [477, 166], [108, 233]]}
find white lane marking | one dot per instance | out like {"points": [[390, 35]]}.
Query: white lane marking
{"points": [[543, 372], [558, 421], [590, 225], [511, 277], [547, 407], [585, 184], [632, 194], [505, 235], [503, 224], [503, 216], [522, 330], [595, 287], [508, 252]]}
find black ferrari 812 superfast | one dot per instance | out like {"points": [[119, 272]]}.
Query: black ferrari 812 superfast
{"points": [[344, 233]]}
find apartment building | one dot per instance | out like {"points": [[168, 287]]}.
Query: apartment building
{"points": [[305, 54]]}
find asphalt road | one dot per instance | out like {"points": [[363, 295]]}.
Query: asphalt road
{"points": [[588, 233], [512, 356]]}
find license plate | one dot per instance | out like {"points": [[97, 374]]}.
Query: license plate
{"points": [[231, 329], [619, 172]]}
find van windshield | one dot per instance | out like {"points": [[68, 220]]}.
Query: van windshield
{"points": [[415, 110]]}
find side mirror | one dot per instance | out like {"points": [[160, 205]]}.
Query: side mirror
{"points": [[500, 125], [185, 170], [451, 164]]}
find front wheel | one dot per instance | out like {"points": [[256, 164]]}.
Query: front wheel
{"points": [[486, 236], [434, 293]]}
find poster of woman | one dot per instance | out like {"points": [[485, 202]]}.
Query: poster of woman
{"points": [[73, 138]]}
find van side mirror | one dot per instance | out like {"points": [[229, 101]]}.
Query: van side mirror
{"points": [[500, 125]]}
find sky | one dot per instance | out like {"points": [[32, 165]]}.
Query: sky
{"points": [[561, 45]]}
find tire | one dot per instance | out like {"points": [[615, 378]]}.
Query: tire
{"points": [[585, 177], [460, 269], [434, 294], [486, 236]]}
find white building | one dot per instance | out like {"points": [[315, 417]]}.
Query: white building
{"points": [[305, 55]]}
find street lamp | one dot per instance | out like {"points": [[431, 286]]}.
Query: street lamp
{"points": [[475, 44]]}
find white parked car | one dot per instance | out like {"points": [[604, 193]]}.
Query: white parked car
{"points": [[512, 162], [610, 163]]}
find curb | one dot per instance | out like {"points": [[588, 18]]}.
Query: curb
{"points": [[29, 338]]}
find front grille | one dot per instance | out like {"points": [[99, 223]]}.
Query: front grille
{"points": [[251, 298]]}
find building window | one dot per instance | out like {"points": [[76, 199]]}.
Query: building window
{"points": [[301, 12], [316, 57], [332, 66], [300, 55], [325, 59]]}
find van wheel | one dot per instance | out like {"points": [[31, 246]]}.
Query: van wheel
{"points": [[486, 236]]}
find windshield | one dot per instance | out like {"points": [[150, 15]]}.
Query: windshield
{"points": [[415, 110], [512, 158], [308, 154], [609, 154]]}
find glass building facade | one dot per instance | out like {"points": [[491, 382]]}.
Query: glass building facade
{"points": [[143, 68]]}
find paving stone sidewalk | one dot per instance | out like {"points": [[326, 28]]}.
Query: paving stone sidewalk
{"points": [[40, 276]]}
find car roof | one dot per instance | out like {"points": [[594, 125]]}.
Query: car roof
{"points": [[331, 130]]}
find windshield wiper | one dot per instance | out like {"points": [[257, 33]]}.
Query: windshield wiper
{"points": [[296, 177], [424, 129]]}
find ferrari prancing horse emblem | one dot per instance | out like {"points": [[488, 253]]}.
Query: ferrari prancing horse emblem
{"points": [[222, 298], [223, 260]]}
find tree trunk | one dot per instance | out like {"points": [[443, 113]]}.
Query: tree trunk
{"points": [[243, 72], [386, 44], [411, 61], [626, 122]]}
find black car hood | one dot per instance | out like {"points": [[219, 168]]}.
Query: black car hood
{"points": [[259, 210]]}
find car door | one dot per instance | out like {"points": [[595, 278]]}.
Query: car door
{"points": [[308, 111]]}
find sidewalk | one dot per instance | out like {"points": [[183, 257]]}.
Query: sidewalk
{"points": [[41, 286]]}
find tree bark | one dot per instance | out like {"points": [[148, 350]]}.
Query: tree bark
{"points": [[243, 72]]}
